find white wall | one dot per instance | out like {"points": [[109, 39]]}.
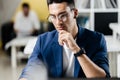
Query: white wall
{"points": [[7, 9], [1, 10]]}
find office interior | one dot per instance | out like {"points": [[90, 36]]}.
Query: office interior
{"points": [[97, 15]]}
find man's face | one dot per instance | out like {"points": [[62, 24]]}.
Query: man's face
{"points": [[26, 11], [62, 16]]}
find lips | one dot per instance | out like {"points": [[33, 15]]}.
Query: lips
{"points": [[61, 27]]}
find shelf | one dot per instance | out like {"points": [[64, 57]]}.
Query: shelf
{"points": [[108, 10], [105, 4], [105, 10], [84, 10]]}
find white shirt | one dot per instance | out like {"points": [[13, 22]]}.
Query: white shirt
{"points": [[68, 62], [25, 25]]}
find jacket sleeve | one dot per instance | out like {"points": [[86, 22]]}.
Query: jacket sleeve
{"points": [[101, 56], [35, 69]]}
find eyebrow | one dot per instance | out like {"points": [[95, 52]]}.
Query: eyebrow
{"points": [[59, 13]]}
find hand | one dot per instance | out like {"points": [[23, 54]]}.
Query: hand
{"points": [[22, 79], [67, 38]]}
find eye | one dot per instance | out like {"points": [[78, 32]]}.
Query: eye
{"points": [[63, 15]]}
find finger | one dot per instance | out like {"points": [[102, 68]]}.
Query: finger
{"points": [[67, 39], [64, 41], [61, 40]]}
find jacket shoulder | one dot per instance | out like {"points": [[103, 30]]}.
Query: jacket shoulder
{"points": [[46, 35], [96, 39], [93, 34], [46, 39]]}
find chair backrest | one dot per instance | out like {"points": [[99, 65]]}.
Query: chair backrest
{"points": [[7, 33]]}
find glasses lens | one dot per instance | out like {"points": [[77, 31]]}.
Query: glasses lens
{"points": [[49, 19], [62, 17]]}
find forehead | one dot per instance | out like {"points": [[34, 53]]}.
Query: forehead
{"points": [[56, 8]]}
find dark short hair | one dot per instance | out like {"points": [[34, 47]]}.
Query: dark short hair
{"points": [[25, 5], [70, 3]]}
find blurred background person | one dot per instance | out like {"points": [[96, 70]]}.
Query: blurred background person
{"points": [[26, 22]]}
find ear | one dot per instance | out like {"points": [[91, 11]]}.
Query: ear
{"points": [[75, 13]]}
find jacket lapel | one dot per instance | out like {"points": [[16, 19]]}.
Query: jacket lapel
{"points": [[57, 55]]}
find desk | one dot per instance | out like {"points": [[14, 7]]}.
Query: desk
{"points": [[30, 46], [17, 42]]}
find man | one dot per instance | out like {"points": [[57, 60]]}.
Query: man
{"points": [[70, 50], [26, 22]]}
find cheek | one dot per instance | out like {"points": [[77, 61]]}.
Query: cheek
{"points": [[55, 26], [70, 22]]}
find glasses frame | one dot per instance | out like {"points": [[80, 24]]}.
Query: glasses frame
{"points": [[62, 17]]}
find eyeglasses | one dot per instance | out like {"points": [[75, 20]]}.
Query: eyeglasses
{"points": [[63, 17]]}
